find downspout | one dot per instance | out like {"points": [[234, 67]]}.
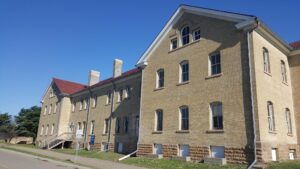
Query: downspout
{"points": [[251, 91], [111, 113], [87, 117]]}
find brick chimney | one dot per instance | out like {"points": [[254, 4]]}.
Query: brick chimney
{"points": [[94, 77], [117, 67]]}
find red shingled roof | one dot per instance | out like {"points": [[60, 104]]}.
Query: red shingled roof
{"points": [[109, 80], [295, 44], [67, 86]]}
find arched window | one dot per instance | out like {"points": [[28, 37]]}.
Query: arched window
{"points": [[266, 60], [184, 118], [216, 115], [283, 72], [42, 130], [184, 71], [271, 120], [159, 120], [185, 35], [288, 120]]}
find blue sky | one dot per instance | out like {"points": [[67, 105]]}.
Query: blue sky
{"points": [[66, 38]]}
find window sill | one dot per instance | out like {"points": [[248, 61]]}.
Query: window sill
{"points": [[267, 73], [183, 46], [157, 132], [183, 83], [104, 134], [214, 131], [272, 132], [107, 104], [290, 134], [156, 89], [182, 131], [213, 76]]}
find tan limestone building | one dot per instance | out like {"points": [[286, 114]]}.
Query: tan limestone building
{"points": [[212, 84]]}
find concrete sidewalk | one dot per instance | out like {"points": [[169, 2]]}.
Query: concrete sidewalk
{"points": [[89, 162]]}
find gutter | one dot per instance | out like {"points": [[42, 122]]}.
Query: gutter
{"points": [[251, 91], [111, 112], [87, 116]]}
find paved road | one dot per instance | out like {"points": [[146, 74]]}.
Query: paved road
{"points": [[15, 160], [84, 161]]}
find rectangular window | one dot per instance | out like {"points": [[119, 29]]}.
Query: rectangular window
{"points": [[55, 108], [84, 127], [292, 154], [160, 78], [120, 95], [173, 43], [80, 104], [127, 92], [94, 102], [184, 71], [108, 100], [47, 128], [50, 109], [85, 103], [137, 125], [215, 64], [105, 131], [118, 125], [73, 106], [157, 149], [45, 110], [126, 124], [274, 154], [42, 130], [159, 120], [120, 147], [184, 150], [184, 118], [217, 115], [92, 127], [217, 151], [52, 129], [196, 35]]}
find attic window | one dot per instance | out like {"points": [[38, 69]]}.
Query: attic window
{"points": [[196, 34], [173, 43]]}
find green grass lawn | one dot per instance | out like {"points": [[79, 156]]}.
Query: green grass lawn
{"points": [[147, 162], [285, 165]]}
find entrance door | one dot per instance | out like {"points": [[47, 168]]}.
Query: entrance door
{"points": [[292, 154], [274, 154]]}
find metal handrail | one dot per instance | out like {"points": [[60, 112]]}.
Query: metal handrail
{"points": [[48, 140]]}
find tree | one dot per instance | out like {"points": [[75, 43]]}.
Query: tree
{"points": [[27, 122], [7, 128]]}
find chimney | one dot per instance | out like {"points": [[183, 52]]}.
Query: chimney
{"points": [[117, 67], [94, 77]]}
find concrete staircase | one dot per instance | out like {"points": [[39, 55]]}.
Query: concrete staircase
{"points": [[55, 140]]}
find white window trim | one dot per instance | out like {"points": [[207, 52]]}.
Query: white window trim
{"points": [[181, 71], [194, 36], [171, 44]]}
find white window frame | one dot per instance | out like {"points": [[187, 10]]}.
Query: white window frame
{"points": [[185, 62], [52, 129], [288, 118], [157, 120], [73, 106], [108, 97], [157, 149], [194, 34], [42, 130], [120, 95], [180, 118], [80, 104], [50, 109], [184, 150], [94, 101], [158, 78], [266, 61], [45, 110], [283, 72], [210, 64], [105, 126], [55, 108], [185, 36], [271, 119], [217, 151], [47, 128], [92, 127], [211, 109], [172, 47]]}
